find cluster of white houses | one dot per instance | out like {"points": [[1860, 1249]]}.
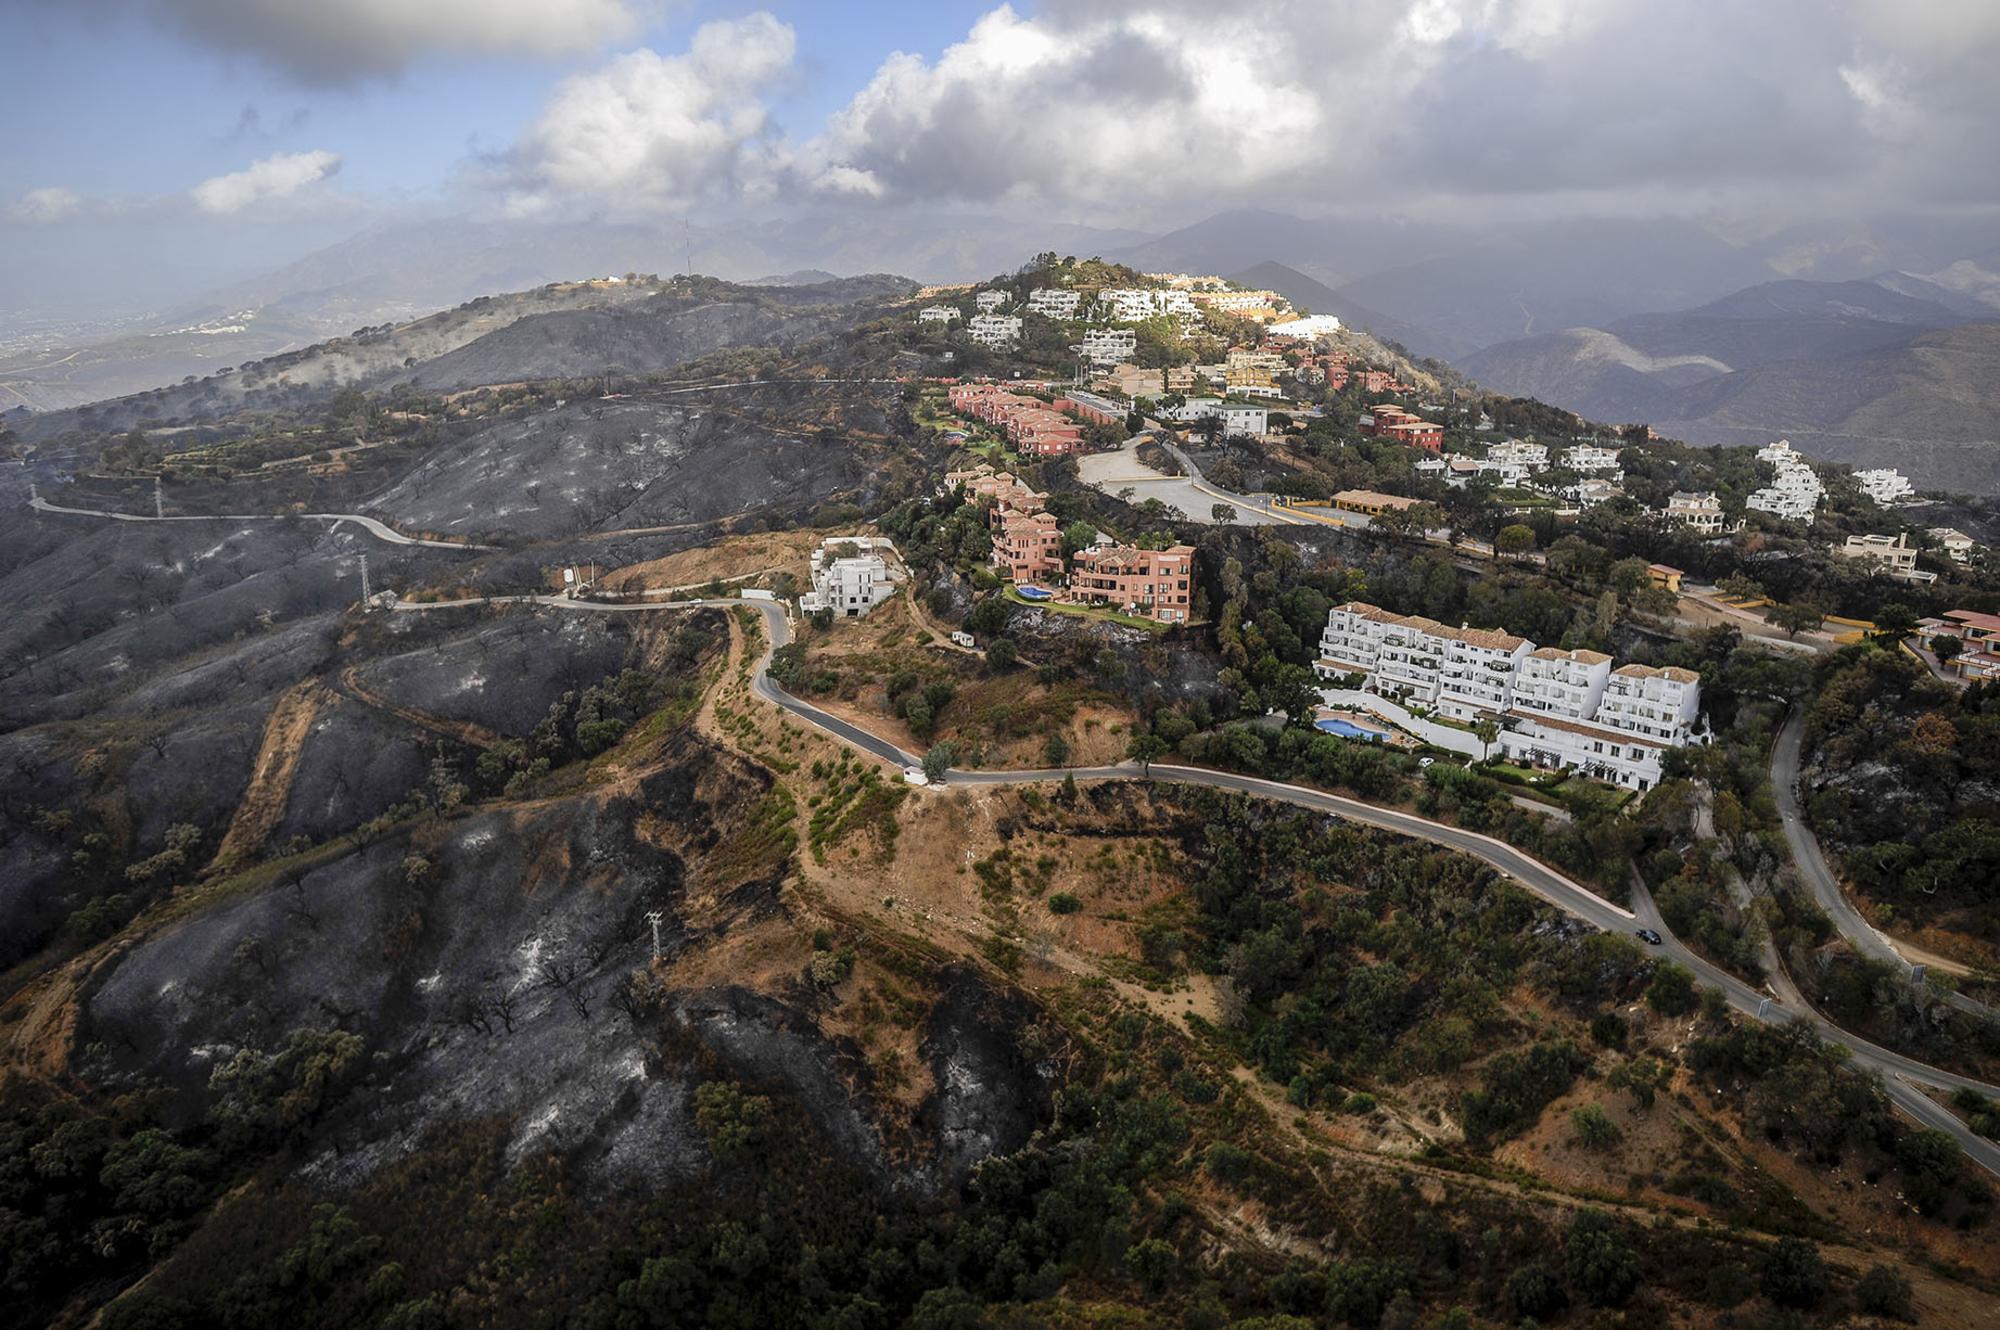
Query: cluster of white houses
{"points": [[1571, 710]]}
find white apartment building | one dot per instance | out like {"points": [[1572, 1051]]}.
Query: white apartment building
{"points": [[1432, 467], [1556, 708], [1307, 328], [1052, 302], [1794, 494], [1519, 452], [1235, 419], [1586, 458], [1639, 713], [998, 331], [1463, 673], [1699, 509], [1780, 453], [1567, 685], [1885, 485], [1241, 302], [945, 314], [990, 301], [1108, 346], [1130, 304]]}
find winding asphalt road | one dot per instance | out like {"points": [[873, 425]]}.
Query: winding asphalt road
{"points": [[1901, 1076], [1819, 875], [379, 530]]}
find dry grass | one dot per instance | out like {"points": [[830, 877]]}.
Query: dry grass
{"points": [[731, 556]]}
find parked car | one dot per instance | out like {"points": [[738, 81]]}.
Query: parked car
{"points": [[1649, 937], [1425, 762]]}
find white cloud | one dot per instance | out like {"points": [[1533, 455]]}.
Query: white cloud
{"points": [[275, 177], [1106, 110], [336, 40], [649, 131], [52, 203], [1114, 107]]}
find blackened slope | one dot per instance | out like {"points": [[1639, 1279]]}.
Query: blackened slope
{"points": [[606, 466]]}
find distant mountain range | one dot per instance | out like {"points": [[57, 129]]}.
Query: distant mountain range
{"points": [[1716, 336], [1895, 371], [1307, 294], [390, 275], [558, 331]]}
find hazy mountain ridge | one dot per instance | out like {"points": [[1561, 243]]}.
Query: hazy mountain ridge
{"points": [[1869, 373], [1307, 293], [555, 331]]}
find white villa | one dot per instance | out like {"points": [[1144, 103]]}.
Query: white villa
{"points": [[1564, 709], [850, 584], [1957, 546], [1699, 509], [989, 302], [1896, 554], [946, 314], [1590, 493]]}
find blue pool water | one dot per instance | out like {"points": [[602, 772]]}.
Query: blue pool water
{"points": [[1034, 593], [1348, 730]]}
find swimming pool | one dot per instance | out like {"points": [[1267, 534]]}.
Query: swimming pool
{"points": [[1347, 729], [1034, 593]]}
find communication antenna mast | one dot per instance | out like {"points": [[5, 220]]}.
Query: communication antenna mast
{"points": [[159, 499], [687, 245], [655, 918], [365, 597]]}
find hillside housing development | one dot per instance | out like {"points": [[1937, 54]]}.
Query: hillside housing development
{"points": [[1027, 549], [1044, 429], [1569, 710]]}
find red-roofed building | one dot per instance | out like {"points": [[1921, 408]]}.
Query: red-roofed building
{"points": [[1393, 422], [1155, 583], [1028, 546]]}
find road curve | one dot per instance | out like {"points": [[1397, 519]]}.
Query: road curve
{"points": [[379, 530], [1820, 879], [1901, 1076]]}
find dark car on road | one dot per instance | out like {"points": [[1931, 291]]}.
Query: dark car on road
{"points": [[1648, 936]]}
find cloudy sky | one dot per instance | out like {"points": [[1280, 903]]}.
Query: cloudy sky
{"points": [[153, 146]]}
